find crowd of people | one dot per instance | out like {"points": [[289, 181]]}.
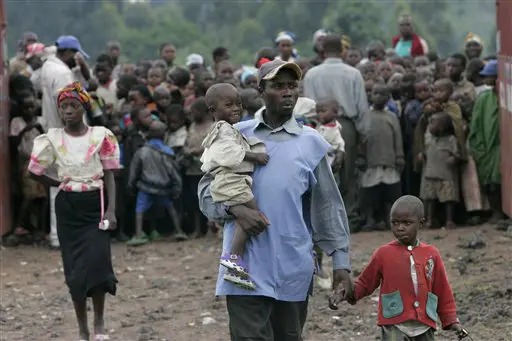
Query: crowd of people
{"points": [[394, 121]]}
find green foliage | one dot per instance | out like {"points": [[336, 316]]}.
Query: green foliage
{"points": [[243, 26], [361, 21]]}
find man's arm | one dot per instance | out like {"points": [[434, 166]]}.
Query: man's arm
{"points": [[362, 107], [329, 221]]}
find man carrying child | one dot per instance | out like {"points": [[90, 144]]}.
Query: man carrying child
{"points": [[297, 192]]}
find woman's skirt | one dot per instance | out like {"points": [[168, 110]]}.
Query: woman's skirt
{"points": [[84, 247], [474, 198]]}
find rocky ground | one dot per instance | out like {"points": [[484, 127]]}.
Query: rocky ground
{"points": [[166, 291]]}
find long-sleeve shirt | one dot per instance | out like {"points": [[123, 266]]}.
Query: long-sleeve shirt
{"points": [[422, 295], [303, 205], [337, 80]]}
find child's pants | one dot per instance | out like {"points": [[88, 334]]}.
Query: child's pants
{"points": [[392, 333]]}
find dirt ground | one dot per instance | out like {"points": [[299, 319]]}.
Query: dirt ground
{"points": [[166, 291]]}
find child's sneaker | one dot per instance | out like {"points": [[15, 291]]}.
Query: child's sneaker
{"points": [[235, 264], [244, 283]]}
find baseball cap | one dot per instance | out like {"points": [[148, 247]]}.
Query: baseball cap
{"points": [[35, 49], [72, 43], [490, 69], [269, 71], [195, 58]]}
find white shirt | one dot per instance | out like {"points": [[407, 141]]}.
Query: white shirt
{"points": [[55, 75], [108, 93]]}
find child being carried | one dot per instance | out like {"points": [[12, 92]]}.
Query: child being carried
{"points": [[230, 158]]}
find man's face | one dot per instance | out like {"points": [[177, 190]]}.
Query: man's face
{"points": [[224, 72], [114, 51], [103, 73], [405, 27], [473, 50], [454, 68], [281, 93], [353, 57], [169, 53], [285, 48], [69, 58]]}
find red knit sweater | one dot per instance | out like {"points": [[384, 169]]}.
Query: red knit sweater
{"points": [[390, 267], [416, 48]]}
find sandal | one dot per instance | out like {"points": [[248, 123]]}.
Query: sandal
{"points": [[244, 283], [137, 241], [235, 264]]}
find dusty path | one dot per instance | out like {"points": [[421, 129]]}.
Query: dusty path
{"points": [[166, 292]]}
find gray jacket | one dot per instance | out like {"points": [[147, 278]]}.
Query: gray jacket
{"points": [[153, 171]]}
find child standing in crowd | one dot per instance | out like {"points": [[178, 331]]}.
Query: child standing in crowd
{"points": [[440, 180], [330, 129], [406, 314], [24, 130], [383, 158], [385, 71], [162, 98], [410, 118], [231, 158], [154, 174], [156, 77], [251, 102], [201, 124], [83, 156], [176, 129]]}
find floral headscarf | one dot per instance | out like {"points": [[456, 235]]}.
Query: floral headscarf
{"points": [[75, 91]]}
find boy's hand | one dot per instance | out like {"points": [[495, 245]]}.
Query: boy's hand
{"points": [[262, 158], [456, 327]]}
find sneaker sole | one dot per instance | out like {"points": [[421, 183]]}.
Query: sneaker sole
{"points": [[234, 267], [244, 284]]}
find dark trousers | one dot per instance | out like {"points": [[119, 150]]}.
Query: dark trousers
{"points": [[349, 184], [259, 318]]}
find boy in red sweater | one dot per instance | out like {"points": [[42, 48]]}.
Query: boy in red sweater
{"points": [[414, 290]]}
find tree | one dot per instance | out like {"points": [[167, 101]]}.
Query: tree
{"points": [[361, 21]]}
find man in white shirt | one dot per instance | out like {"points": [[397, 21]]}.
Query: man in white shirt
{"points": [[56, 73]]}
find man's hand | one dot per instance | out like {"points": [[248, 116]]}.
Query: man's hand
{"points": [[342, 288], [253, 222]]}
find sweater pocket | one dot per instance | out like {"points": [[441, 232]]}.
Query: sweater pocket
{"points": [[432, 306], [392, 305]]}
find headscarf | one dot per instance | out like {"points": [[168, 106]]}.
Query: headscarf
{"points": [[473, 38], [346, 42], [285, 35], [75, 91]]}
